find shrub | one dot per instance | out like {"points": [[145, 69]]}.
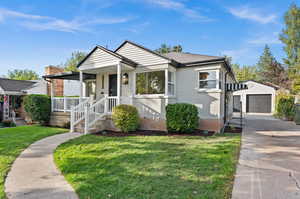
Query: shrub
{"points": [[285, 107], [125, 117], [38, 107], [182, 117], [8, 123]]}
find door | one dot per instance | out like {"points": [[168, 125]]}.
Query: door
{"points": [[236, 103], [112, 86], [259, 103]]}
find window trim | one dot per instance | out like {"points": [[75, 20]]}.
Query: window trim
{"points": [[217, 80], [165, 94]]}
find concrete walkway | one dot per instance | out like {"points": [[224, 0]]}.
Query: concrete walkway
{"points": [[269, 164], [34, 174]]}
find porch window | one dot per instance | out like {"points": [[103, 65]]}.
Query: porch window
{"points": [[208, 80], [150, 82], [171, 83]]}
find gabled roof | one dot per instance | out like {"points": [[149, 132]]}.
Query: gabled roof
{"points": [[15, 85], [264, 83], [122, 58], [174, 62]]}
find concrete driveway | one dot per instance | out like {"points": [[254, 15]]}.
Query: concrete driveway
{"points": [[269, 165]]}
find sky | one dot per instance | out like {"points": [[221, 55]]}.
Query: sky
{"points": [[38, 33]]}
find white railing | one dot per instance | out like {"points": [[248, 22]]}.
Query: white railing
{"points": [[64, 104], [91, 113], [78, 113], [95, 112], [112, 102]]}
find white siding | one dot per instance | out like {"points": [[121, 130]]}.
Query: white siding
{"points": [[256, 88], [208, 103], [71, 88], [98, 57], [140, 55]]}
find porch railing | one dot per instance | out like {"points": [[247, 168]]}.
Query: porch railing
{"points": [[112, 101], [64, 104]]}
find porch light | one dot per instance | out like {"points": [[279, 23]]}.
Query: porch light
{"points": [[125, 78]]}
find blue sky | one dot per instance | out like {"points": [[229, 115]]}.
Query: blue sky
{"points": [[36, 33]]}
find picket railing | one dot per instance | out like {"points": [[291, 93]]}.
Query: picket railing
{"points": [[92, 112], [64, 104]]}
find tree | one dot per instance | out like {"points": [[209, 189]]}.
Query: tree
{"points": [[264, 64], [74, 60], [23, 74], [164, 48], [290, 37], [244, 73]]}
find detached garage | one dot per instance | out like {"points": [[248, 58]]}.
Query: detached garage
{"points": [[258, 98]]}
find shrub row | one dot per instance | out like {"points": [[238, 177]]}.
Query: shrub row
{"points": [[181, 117]]}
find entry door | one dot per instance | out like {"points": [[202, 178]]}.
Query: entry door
{"points": [[236, 103], [112, 86], [259, 103]]}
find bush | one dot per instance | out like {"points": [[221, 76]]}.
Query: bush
{"points": [[38, 107], [8, 123], [125, 117], [182, 117], [285, 107]]}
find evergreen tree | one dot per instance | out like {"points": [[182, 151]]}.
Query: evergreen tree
{"points": [[291, 39], [265, 63]]}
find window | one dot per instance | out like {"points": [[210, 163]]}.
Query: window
{"points": [[150, 83], [171, 83], [208, 80]]}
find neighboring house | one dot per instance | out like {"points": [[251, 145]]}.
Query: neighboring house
{"points": [[133, 74], [258, 98], [12, 92]]}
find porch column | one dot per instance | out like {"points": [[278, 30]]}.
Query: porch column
{"points": [[52, 94], [118, 83], [81, 83], [166, 86]]}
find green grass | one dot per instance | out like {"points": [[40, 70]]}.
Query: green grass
{"points": [[14, 140], [150, 167]]}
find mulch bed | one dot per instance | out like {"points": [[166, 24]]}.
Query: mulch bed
{"points": [[153, 133]]}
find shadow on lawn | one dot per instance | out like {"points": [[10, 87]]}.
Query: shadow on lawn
{"points": [[132, 168]]}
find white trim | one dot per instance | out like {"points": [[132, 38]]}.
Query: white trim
{"points": [[119, 83], [214, 67], [98, 66], [208, 89]]}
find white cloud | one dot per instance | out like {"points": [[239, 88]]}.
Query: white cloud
{"points": [[41, 23], [5, 13], [252, 14], [179, 7], [271, 38], [138, 28]]}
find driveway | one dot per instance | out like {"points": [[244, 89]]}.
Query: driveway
{"points": [[269, 165]]}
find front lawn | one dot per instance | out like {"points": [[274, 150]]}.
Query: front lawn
{"points": [[150, 167], [14, 140]]}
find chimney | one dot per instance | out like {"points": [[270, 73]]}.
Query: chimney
{"points": [[58, 84]]}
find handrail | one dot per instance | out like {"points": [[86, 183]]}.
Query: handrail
{"points": [[78, 113], [96, 111]]}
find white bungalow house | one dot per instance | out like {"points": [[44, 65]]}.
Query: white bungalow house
{"points": [[133, 74]]}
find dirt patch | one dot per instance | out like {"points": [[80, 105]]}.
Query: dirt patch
{"points": [[154, 133]]}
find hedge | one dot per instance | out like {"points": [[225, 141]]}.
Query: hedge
{"points": [[182, 117], [125, 117], [285, 107], [38, 107]]}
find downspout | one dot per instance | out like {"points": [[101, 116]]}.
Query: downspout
{"points": [[225, 107]]}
